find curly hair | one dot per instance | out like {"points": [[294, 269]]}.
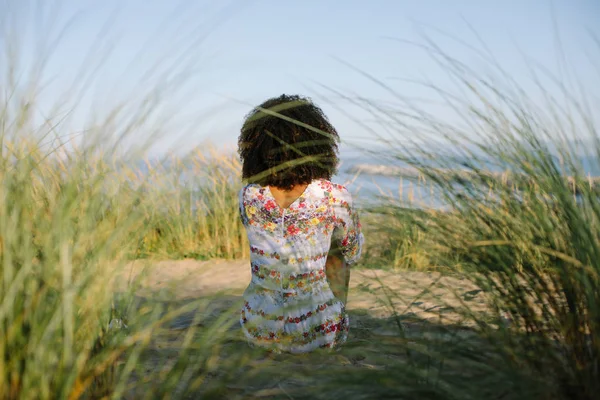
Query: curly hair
{"points": [[286, 141]]}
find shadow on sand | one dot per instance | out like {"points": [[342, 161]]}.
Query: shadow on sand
{"points": [[199, 347]]}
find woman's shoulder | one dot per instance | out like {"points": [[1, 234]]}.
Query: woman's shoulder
{"points": [[328, 187], [252, 190], [318, 187]]}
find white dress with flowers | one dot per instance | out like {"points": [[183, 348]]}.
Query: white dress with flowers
{"points": [[289, 304]]}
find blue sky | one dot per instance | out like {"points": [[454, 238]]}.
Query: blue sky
{"points": [[243, 52]]}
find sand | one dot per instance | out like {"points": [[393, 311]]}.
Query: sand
{"points": [[424, 295], [380, 303]]}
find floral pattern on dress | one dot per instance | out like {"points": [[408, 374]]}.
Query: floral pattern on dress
{"points": [[337, 325], [300, 282], [289, 304]]}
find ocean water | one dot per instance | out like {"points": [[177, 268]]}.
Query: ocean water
{"points": [[369, 189], [372, 188]]}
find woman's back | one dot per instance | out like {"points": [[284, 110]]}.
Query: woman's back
{"points": [[289, 303], [288, 144]]}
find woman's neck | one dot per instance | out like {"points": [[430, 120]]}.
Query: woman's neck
{"points": [[285, 198]]}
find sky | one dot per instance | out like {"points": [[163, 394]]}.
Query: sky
{"points": [[235, 54]]}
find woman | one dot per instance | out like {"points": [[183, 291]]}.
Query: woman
{"points": [[302, 228]]}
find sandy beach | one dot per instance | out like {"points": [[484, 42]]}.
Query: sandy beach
{"points": [[424, 303], [424, 295]]}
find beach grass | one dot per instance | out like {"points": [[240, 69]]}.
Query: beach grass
{"points": [[67, 236], [530, 245], [191, 207]]}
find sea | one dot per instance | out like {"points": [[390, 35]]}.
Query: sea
{"points": [[381, 184]]}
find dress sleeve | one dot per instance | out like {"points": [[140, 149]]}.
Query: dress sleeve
{"points": [[242, 206], [347, 233]]}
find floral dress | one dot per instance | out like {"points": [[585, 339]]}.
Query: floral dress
{"points": [[289, 305]]}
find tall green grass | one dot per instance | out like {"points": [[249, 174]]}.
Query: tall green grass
{"points": [[191, 207], [75, 210], [57, 243], [533, 247], [69, 223]]}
